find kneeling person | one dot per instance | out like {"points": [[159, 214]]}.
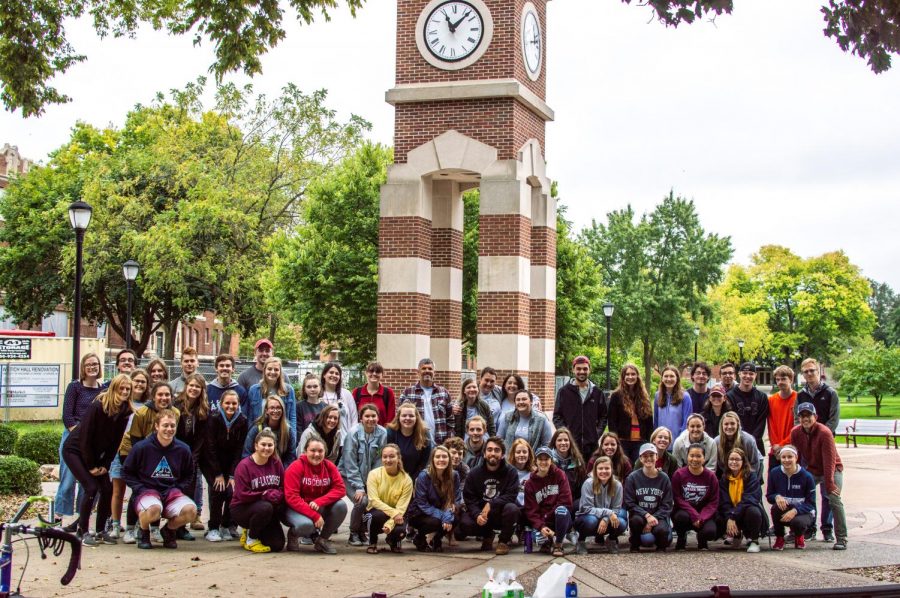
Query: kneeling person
{"points": [[159, 470], [490, 495], [548, 501], [314, 491]]}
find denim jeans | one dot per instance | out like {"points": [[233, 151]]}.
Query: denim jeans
{"points": [[835, 506], [586, 526], [65, 493]]}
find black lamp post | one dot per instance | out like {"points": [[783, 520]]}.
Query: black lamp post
{"points": [[608, 312], [696, 339], [741, 347], [130, 269], [79, 218]]}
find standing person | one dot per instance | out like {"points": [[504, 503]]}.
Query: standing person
{"points": [[157, 370], [792, 494], [226, 433], [525, 423], [728, 372], [311, 403], [433, 402], [490, 497], [362, 454], [80, 393], [390, 491], [751, 405], [600, 511], [140, 396], [611, 447], [695, 434], [715, 407], [581, 407], [258, 500], [314, 492], [373, 392], [189, 364], [159, 471], [548, 502], [224, 381], [476, 429], [489, 391], [333, 393], [191, 430], [511, 384], [90, 449], [469, 405], [327, 428], [731, 436], [672, 406], [126, 361], [273, 419], [696, 493], [740, 497], [273, 382], [648, 500], [828, 408], [263, 350], [140, 388], [630, 411], [699, 390], [568, 458], [781, 412], [408, 432], [815, 445], [433, 508], [142, 425]]}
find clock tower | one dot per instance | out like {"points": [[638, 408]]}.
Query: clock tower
{"points": [[469, 112]]}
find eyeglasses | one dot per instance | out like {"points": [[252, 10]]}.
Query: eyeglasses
{"points": [[810, 371], [91, 365], [126, 360]]}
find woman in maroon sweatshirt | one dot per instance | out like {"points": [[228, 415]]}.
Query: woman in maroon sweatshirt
{"points": [[696, 492], [548, 502], [258, 499]]}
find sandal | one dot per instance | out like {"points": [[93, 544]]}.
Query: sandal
{"points": [[395, 547], [558, 550], [372, 549]]}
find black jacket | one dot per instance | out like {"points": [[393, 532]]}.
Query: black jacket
{"points": [[620, 423], [97, 436], [496, 487], [223, 447], [753, 410], [585, 420], [191, 430]]}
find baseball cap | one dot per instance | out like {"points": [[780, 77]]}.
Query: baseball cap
{"points": [[648, 448], [543, 451], [718, 389], [748, 366], [806, 407], [581, 359], [263, 341]]}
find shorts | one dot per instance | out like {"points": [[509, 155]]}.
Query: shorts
{"points": [[115, 468], [170, 510]]}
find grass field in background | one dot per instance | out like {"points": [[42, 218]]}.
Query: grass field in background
{"points": [[25, 427], [864, 408]]}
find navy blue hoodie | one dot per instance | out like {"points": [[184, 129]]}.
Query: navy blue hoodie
{"points": [[152, 466]]}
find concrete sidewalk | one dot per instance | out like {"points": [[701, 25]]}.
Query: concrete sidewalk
{"points": [[204, 569]]}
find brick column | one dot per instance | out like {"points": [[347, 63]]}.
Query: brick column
{"points": [[446, 283], [543, 297], [504, 270], [404, 278]]}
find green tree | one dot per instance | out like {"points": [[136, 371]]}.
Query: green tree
{"points": [[872, 371], [658, 270], [868, 28], [885, 306], [191, 194], [737, 312], [326, 271]]}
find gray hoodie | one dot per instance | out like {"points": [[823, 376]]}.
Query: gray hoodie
{"points": [[600, 505]]}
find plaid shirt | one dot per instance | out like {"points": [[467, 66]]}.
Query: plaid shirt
{"points": [[441, 406]]}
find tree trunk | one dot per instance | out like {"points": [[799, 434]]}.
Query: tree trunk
{"points": [[273, 327], [170, 328], [648, 374], [877, 405]]}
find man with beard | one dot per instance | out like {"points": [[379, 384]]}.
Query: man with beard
{"points": [[490, 499], [581, 407], [432, 401]]}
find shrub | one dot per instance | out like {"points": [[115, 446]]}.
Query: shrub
{"points": [[8, 438], [19, 476], [41, 446]]}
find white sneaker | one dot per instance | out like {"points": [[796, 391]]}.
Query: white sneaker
{"points": [[128, 536], [225, 534], [213, 535], [115, 529], [753, 547], [155, 536], [571, 538]]}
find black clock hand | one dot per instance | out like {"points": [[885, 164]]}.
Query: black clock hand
{"points": [[453, 26]]}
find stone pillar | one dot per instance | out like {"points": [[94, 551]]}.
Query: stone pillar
{"points": [[504, 270], [446, 283], [543, 297]]}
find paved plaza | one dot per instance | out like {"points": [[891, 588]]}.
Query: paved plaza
{"points": [[203, 569]]}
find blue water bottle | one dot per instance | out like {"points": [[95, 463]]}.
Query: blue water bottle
{"points": [[571, 589], [528, 539]]}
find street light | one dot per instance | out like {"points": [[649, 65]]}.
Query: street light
{"points": [[79, 218], [696, 338], [130, 269], [608, 309], [741, 347]]}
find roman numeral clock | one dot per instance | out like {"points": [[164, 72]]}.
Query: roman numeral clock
{"points": [[470, 112]]}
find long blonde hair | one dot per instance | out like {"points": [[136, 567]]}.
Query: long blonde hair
{"points": [[420, 432], [443, 482], [198, 407], [284, 430], [108, 398], [611, 484], [280, 388]]}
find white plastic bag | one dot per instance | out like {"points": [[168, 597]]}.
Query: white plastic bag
{"points": [[552, 583]]}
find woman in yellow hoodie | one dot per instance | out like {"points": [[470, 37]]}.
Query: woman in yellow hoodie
{"points": [[390, 491]]}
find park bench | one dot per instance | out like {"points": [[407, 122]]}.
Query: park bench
{"points": [[871, 428]]}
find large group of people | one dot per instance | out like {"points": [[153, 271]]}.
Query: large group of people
{"points": [[432, 469]]}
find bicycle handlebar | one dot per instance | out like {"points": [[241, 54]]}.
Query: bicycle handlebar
{"points": [[74, 543]]}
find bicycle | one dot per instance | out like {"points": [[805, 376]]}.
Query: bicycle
{"points": [[49, 536]]}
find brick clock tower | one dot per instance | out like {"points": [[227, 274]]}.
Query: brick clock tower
{"points": [[470, 112]]}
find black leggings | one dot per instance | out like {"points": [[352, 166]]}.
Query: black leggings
{"points": [[504, 519], [219, 501], [681, 521], [426, 524], [798, 524], [749, 522], [91, 486], [262, 520], [375, 520], [660, 531]]}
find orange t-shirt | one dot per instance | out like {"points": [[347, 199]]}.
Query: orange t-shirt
{"points": [[781, 418]]}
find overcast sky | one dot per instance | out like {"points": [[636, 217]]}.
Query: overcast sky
{"points": [[777, 135]]}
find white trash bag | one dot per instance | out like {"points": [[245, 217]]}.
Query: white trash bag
{"points": [[552, 583]]}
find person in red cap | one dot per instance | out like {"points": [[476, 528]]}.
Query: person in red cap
{"points": [[581, 407], [264, 349]]}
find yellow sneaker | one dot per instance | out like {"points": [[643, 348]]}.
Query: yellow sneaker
{"points": [[244, 539], [256, 546]]}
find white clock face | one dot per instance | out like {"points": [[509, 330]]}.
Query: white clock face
{"points": [[532, 43], [453, 30]]}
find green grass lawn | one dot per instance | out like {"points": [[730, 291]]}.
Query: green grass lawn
{"points": [[25, 427], [864, 408]]}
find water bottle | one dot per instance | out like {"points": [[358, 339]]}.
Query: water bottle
{"points": [[571, 589], [528, 539]]}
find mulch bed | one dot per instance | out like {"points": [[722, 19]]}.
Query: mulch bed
{"points": [[889, 573]]}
